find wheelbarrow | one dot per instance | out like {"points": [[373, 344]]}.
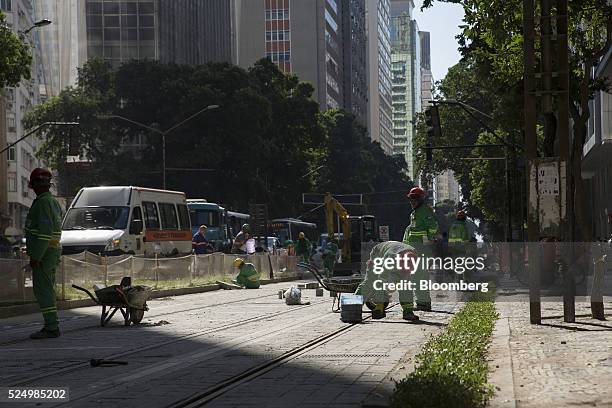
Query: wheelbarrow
{"points": [[132, 302], [338, 285], [335, 284]]}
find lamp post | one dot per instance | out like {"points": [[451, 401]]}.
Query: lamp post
{"points": [[163, 133], [39, 23]]}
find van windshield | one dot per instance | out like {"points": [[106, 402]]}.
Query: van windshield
{"points": [[210, 218], [96, 218]]}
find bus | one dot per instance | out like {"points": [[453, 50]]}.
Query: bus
{"points": [[212, 215], [289, 228]]}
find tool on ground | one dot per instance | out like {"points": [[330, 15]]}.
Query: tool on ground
{"points": [[98, 362]]}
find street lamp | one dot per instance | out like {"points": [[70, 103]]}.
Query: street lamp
{"points": [[163, 133], [40, 23]]}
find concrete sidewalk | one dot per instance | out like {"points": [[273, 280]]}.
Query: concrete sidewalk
{"points": [[555, 364]]}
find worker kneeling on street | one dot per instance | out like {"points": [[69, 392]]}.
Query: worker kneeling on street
{"points": [[248, 276], [389, 265]]}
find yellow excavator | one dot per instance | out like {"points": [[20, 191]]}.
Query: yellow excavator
{"points": [[355, 231], [333, 206]]}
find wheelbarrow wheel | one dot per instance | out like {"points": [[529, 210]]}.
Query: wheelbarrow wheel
{"points": [[371, 305], [136, 315]]}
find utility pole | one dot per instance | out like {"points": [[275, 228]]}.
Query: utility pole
{"points": [[535, 312]]}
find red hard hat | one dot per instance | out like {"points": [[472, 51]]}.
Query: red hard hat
{"points": [[461, 214], [40, 173], [416, 193]]}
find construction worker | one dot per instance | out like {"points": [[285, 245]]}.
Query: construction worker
{"points": [[367, 288], [248, 276], [43, 230], [239, 245], [290, 247], [330, 254], [458, 231], [303, 248], [199, 243], [420, 234]]}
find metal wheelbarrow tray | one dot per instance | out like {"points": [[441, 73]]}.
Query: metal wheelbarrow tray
{"points": [[131, 303], [335, 284]]}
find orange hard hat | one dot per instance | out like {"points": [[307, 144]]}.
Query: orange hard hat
{"points": [[416, 193]]}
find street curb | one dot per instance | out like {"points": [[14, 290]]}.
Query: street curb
{"points": [[31, 308], [500, 366]]}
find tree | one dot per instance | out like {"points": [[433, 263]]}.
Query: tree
{"points": [[15, 56], [492, 35]]}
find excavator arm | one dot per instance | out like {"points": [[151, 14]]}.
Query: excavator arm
{"points": [[333, 206]]}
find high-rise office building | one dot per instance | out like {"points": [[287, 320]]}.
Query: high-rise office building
{"points": [[427, 79], [355, 59], [17, 163], [303, 37], [378, 31], [406, 72]]}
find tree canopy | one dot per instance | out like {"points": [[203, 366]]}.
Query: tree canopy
{"points": [[261, 145], [15, 56]]}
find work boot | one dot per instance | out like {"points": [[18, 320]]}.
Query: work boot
{"points": [[425, 307], [45, 333], [378, 314], [410, 316]]}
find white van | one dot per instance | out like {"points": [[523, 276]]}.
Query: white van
{"points": [[127, 220]]}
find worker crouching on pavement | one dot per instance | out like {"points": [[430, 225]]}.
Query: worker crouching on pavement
{"points": [[248, 276], [43, 230], [371, 287], [421, 234]]}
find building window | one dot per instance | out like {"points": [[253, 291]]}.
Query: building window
{"points": [[6, 5], [10, 154], [12, 182], [25, 189]]}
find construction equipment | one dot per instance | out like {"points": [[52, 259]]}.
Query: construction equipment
{"points": [[356, 230]]}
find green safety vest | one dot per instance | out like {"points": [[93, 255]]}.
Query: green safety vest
{"points": [[423, 224], [248, 276], [303, 247], [458, 232], [43, 228]]}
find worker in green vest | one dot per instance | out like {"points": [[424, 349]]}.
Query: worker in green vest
{"points": [[43, 230], [420, 234], [458, 231], [330, 254], [248, 276], [303, 248], [371, 290]]}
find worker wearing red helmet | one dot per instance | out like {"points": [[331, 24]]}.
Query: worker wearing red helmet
{"points": [[420, 234], [43, 232]]}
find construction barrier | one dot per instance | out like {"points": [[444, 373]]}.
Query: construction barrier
{"points": [[87, 269]]}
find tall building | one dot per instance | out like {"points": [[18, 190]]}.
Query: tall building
{"points": [[446, 187], [119, 31], [378, 32], [62, 47], [20, 160], [355, 59], [427, 79], [196, 32], [406, 78], [303, 37]]}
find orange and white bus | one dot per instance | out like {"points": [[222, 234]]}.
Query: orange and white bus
{"points": [[127, 220]]}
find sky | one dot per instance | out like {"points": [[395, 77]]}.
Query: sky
{"points": [[442, 21]]}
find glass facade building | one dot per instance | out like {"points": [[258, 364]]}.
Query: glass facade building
{"points": [[119, 31]]}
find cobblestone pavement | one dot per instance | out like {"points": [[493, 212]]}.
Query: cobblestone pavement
{"points": [[554, 364], [190, 343]]}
